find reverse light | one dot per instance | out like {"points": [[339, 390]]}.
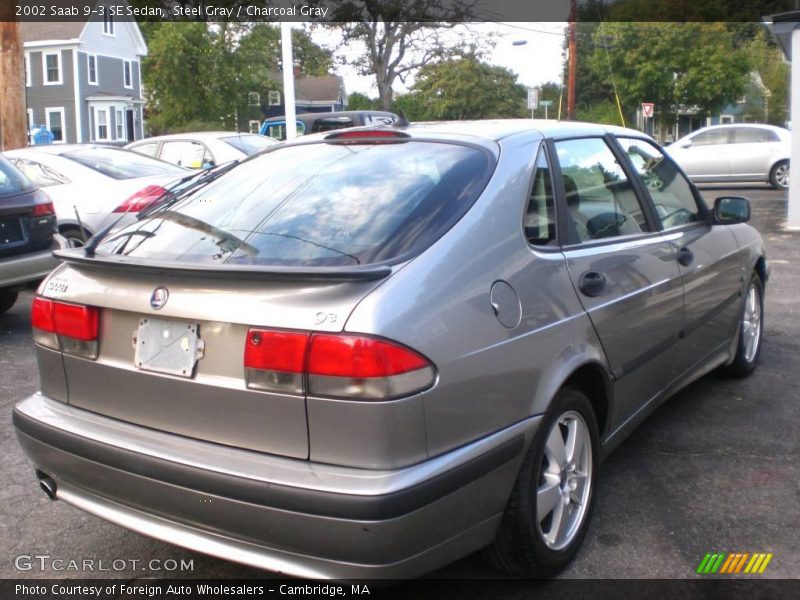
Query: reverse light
{"points": [[334, 365], [66, 327], [141, 199]]}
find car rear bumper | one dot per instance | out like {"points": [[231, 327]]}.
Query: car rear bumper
{"points": [[19, 270], [286, 515]]}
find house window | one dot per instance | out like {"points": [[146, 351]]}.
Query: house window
{"points": [[255, 126], [91, 68], [102, 124], [108, 23], [254, 99], [54, 119], [127, 78], [51, 67], [119, 124], [274, 98], [27, 59], [726, 119]]}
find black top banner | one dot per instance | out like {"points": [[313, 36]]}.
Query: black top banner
{"points": [[328, 11]]}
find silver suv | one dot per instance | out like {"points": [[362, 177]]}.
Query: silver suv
{"points": [[368, 353]]}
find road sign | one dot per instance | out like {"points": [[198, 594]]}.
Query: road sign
{"points": [[647, 109], [533, 98]]}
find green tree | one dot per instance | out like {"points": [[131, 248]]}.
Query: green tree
{"points": [[179, 76], [467, 88], [359, 101], [767, 60], [673, 65]]}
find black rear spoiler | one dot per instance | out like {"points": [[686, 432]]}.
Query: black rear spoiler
{"points": [[115, 262]]}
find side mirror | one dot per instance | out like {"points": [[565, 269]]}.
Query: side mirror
{"points": [[731, 209], [685, 144]]}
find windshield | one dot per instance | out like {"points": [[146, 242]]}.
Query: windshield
{"points": [[122, 164], [248, 144], [317, 205]]}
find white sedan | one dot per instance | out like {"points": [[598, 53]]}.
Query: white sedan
{"points": [[202, 150], [87, 183], [739, 152]]}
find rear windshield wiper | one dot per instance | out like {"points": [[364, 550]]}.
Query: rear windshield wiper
{"points": [[195, 181]]}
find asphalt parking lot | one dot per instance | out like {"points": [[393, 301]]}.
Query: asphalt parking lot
{"points": [[717, 468]]}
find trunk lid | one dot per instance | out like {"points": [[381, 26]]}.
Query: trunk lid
{"points": [[211, 402]]}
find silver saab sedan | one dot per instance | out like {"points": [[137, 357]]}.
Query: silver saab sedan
{"points": [[372, 352]]}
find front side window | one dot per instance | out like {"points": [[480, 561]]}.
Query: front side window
{"points": [[540, 218], [52, 68], [671, 193], [321, 204], [601, 202], [192, 155], [711, 137]]}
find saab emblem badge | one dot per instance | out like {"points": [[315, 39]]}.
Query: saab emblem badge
{"points": [[159, 297]]}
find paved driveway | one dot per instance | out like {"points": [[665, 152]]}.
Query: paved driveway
{"points": [[717, 468]]}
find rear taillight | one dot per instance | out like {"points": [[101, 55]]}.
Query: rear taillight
{"points": [[333, 365], [70, 328], [141, 199], [44, 209]]}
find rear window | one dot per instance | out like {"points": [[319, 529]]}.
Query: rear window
{"points": [[122, 164], [12, 181], [248, 144], [317, 205]]}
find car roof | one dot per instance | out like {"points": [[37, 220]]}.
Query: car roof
{"points": [[745, 125], [496, 130], [62, 148], [191, 135]]}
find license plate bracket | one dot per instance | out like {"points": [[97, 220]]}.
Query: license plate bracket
{"points": [[166, 346]]}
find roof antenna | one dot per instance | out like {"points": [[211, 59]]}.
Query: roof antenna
{"points": [[401, 119]]}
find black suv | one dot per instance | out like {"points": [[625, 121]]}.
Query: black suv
{"points": [[27, 225]]}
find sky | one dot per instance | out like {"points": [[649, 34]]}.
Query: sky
{"points": [[536, 62]]}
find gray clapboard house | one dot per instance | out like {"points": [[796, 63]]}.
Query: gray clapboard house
{"points": [[83, 79]]}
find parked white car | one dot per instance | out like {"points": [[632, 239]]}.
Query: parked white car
{"points": [[87, 183], [202, 150], [739, 152]]}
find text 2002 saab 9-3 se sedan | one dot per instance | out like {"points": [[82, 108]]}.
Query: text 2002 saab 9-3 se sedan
{"points": [[378, 350]]}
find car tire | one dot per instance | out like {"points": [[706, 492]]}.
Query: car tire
{"points": [[526, 544], [751, 331], [74, 237], [7, 300], [779, 175]]}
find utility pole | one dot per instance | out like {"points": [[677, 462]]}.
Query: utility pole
{"points": [[12, 81], [573, 63]]}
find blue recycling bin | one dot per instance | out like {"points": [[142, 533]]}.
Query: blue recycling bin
{"points": [[43, 136]]}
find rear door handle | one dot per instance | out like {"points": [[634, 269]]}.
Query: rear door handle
{"points": [[592, 283], [685, 256]]}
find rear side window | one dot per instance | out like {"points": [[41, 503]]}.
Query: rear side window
{"points": [[540, 219], [753, 135], [12, 181], [122, 164], [317, 205], [148, 149]]}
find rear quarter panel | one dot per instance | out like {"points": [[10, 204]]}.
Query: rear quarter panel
{"points": [[489, 376]]}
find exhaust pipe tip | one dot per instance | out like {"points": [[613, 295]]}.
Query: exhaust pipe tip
{"points": [[48, 484]]}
